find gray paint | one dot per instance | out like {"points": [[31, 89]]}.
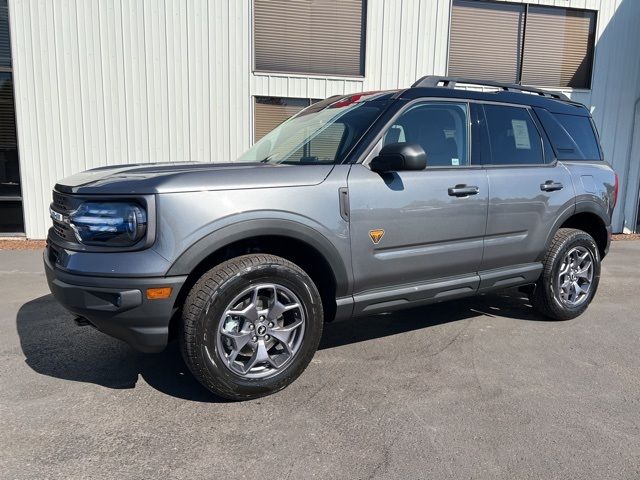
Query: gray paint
{"points": [[520, 214], [436, 246], [428, 234]]}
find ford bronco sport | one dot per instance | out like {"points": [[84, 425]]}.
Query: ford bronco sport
{"points": [[358, 204]]}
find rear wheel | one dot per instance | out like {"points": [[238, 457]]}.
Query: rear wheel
{"points": [[251, 326], [570, 275]]}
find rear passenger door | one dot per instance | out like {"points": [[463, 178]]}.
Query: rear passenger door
{"points": [[528, 188]]}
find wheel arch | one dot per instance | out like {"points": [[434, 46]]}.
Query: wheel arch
{"points": [[296, 242], [589, 217]]}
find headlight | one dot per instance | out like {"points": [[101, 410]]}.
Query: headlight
{"points": [[110, 224]]}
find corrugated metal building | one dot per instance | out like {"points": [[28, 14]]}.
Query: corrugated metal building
{"points": [[98, 82]]}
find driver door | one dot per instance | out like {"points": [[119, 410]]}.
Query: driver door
{"points": [[416, 235]]}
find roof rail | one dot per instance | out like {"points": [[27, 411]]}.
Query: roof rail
{"points": [[450, 82]]}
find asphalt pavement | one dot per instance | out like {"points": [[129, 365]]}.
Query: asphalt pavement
{"points": [[478, 388]]}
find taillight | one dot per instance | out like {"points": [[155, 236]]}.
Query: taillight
{"points": [[615, 191]]}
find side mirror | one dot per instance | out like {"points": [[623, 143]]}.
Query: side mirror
{"points": [[397, 157]]}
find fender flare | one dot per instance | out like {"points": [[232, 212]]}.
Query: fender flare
{"points": [[245, 229], [589, 206], [582, 206]]}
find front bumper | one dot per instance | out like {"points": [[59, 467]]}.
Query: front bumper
{"points": [[118, 306]]}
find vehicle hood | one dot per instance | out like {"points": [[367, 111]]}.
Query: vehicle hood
{"points": [[190, 177]]}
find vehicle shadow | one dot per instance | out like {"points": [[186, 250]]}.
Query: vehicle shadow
{"points": [[510, 304], [55, 346]]}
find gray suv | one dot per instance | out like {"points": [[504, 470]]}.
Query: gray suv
{"points": [[357, 205]]}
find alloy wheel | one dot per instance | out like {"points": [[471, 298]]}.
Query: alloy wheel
{"points": [[261, 331], [575, 276]]}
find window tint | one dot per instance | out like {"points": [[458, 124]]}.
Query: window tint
{"points": [[513, 137], [439, 128], [581, 132], [572, 136]]}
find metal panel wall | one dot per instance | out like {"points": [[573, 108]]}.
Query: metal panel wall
{"points": [[128, 81]]}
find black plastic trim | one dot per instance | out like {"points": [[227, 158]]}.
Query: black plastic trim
{"points": [[243, 230], [118, 306]]}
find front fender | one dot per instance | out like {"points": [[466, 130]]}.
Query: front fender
{"points": [[188, 260]]}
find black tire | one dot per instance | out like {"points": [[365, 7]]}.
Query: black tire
{"points": [[545, 297], [206, 303]]}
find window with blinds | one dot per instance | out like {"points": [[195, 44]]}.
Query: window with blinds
{"points": [[323, 37], [486, 40], [272, 111], [7, 113], [5, 49], [528, 44], [558, 47], [10, 193]]}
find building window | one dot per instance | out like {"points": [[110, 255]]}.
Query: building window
{"points": [[11, 219], [324, 37], [528, 44], [272, 111], [5, 47]]}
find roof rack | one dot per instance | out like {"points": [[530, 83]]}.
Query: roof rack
{"points": [[450, 82]]}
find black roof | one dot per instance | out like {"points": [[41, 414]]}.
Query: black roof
{"points": [[430, 86], [551, 104]]}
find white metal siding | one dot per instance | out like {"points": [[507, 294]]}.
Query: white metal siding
{"points": [[131, 81], [125, 81]]}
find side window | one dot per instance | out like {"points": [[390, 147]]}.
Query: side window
{"points": [[580, 130], [513, 137], [439, 128]]}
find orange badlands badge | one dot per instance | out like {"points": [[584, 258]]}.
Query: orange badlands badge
{"points": [[376, 235]]}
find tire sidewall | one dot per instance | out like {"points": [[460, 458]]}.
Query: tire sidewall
{"points": [[216, 371], [575, 240]]}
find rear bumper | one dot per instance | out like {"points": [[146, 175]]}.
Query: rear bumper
{"points": [[118, 306]]}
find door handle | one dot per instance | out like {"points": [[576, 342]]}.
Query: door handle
{"points": [[463, 190], [550, 186]]}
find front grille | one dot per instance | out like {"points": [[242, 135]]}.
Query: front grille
{"points": [[60, 201], [58, 229], [64, 231], [64, 205]]}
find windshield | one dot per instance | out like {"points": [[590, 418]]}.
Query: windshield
{"points": [[323, 133]]}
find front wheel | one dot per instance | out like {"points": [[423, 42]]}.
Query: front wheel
{"points": [[251, 326], [570, 276]]}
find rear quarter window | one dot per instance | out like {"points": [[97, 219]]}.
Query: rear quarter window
{"points": [[572, 136]]}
